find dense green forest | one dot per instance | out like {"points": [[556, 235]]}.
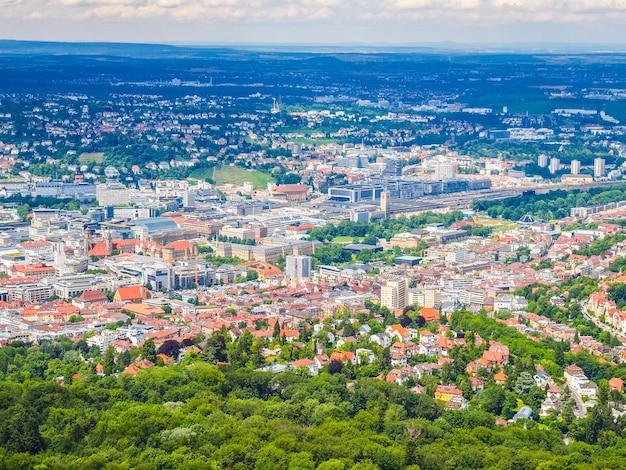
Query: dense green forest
{"points": [[550, 206], [57, 413]]}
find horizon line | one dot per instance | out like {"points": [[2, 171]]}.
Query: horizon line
{"points": [[587, 47]]}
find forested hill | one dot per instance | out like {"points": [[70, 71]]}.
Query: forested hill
{"points": [[197, 415]]}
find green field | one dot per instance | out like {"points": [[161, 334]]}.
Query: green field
{"points": [[305, 141], [233, 175], [93, 157], [341, 239]]}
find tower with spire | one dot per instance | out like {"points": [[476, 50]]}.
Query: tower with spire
{"points": [[108, 241], [87, 242]]}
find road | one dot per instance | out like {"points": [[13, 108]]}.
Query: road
{"points": [[581, 409], [596, 321]]}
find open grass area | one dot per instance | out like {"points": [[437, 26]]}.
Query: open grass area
{"points": [[346, 239], [233, 175], [306, 141], [91, 157], [496, 225]]}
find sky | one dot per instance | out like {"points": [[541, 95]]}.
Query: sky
{"points": [[401, 22]]}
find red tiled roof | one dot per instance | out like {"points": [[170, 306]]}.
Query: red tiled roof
{"points": [[36, 244], [180, 245], [291, 188], [92, 296], [130, 293]]}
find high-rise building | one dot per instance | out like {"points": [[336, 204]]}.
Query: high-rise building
{"points": [[599, 167], [445, 171], [385, 203], [432, 297], [393, 167], [395, 294], [555, 165], [112, 194], [297, 267], [575, 167], [542, 161]]}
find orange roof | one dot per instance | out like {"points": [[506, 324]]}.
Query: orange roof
{"points": [[180, 245], [37, 244], [130, 292], [166, 359], [144, 310], [291, 188], [449, 389], [128, 242], [35, 267], [500, 377], [99, 249], [429, 314], [131, 369], [303, 363], [492, 356], [616, 384], [92, 296], [402, 331]]}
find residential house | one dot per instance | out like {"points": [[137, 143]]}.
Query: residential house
{"points": [[399, 332], [312, 366], [447, 392], [616, 383], [381, 339]]}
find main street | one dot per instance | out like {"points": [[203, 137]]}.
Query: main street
{"points": [[596, 321]]}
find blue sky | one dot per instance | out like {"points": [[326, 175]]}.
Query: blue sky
{"points": [[316, 21]]}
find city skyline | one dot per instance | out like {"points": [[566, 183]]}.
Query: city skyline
{"points": [[315, 21]]}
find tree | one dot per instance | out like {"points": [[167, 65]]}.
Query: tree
{"points": [[559, 354], [348, 329], [20, 430], [169, 348], [276, 333], [109, 361], [335, 367], [365, 256], [330, 254], [215, 348], [123, 360], [523, 383], [366, 464], [604, 392], [509, 405], [332, 464], [599, 420], [492, 399], [148, 350]]}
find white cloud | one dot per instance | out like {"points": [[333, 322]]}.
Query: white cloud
{"points": [[485, 12]]}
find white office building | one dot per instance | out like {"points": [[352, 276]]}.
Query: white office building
{"points": [[599, 168], [298, 266], [395, 294], [555, 165]]}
